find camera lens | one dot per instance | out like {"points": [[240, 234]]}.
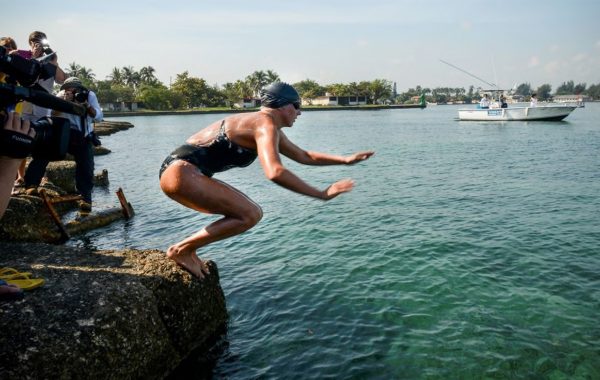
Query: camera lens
{"points": [[80, 96]]}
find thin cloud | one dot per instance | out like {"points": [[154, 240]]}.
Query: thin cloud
{"points": [[533, 61], [552, 67], [466, 25], [362, 42]]}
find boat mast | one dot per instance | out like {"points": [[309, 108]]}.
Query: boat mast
{"points": [[468, 73]]}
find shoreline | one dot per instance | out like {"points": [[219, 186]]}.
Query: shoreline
{"points": [[213, 111]]}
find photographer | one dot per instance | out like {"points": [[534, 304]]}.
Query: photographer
{"points": [[39, 48], [82, 139]]}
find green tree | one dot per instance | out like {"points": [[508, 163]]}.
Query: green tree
{"points": [[380, 90], [566, 88], [594, 91], [231, 93], [544, 91], [155, 97], [86, 75], [256, 81], [579, 89], [272, 76], [243, 89], [523, 89], [116, 76], [147, 77], [72, 69], [105, 92], [214, 97], [337, 89], [130, 77], [110, 92], [309, 89], [195, 91], [470, 95]]}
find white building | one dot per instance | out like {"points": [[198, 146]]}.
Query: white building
{"points": [[247, 103], [571, 98], [329, 100]]}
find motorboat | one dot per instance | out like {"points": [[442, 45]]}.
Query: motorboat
{"points": [[546, 112]]}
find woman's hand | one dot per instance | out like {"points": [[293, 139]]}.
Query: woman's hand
{"points": [[360, 156], [338, 188]]}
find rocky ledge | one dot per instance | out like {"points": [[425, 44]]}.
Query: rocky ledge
{"points": [[108, 127], [104, 314]]}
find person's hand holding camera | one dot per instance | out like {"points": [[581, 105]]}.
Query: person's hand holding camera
{"points": [[81, 96], [16, 137]]}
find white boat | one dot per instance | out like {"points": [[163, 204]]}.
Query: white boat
{"points": [[549, 113]]}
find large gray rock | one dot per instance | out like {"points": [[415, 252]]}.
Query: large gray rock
{"points": [[62, 175], [108, 127], [26, 219], [104, 314]]}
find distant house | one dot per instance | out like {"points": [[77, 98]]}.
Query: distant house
{"points": [[571, 98], [119, 106], [329, 100], [247, 103], [515, 99]]}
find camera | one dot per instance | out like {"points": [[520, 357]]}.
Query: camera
{"points": [[22, 70], [52, 134], [46, 47], [81, 95], [51, 140]]}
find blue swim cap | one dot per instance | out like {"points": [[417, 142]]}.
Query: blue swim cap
{"points": [[278, 94]]}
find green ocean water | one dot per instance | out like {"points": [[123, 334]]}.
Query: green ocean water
{"points": [[467, 250]]}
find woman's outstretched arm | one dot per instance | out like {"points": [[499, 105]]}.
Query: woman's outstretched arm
{"points": [[267, 143], [292, 151]]}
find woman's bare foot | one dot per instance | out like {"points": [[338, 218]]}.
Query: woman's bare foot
{"points": [[189, 261]]}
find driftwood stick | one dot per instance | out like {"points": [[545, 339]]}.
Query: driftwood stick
{"points": [[63, 231], [125, 206], [94, 220]]}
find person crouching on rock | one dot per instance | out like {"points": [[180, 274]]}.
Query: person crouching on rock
{"points": [[186, 175]]}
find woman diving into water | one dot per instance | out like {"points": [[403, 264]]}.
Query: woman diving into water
{"points": [[236, 141]]}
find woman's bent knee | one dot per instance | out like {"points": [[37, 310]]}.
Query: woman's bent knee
{"points": [[251, 217]]}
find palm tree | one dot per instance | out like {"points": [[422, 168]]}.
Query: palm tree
{"points": [[86, 74], [147, 75], [256, 81], [73, 69], [130, 76], [116, 76], [244, 89], [272, 76]]}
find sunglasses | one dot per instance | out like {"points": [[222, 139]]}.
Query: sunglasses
{"points": [[296, 105]]}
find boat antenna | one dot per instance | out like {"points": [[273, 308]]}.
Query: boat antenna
{"points": [[468, 73]]}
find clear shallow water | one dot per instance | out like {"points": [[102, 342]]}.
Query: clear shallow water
{"points": [[467, 250]]}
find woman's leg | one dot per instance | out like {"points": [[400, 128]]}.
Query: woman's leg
{"points": [[184, 183]]}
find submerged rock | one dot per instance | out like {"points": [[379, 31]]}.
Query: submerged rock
{"points": [[104, 314]]}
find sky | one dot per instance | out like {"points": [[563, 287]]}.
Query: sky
{"points": [[329, 41]]}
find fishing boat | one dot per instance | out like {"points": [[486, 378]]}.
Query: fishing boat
{"points": [[554, 112], [548, 113]]}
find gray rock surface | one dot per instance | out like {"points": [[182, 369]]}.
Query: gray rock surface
{"points": [[104, 314], [108, 127]]}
